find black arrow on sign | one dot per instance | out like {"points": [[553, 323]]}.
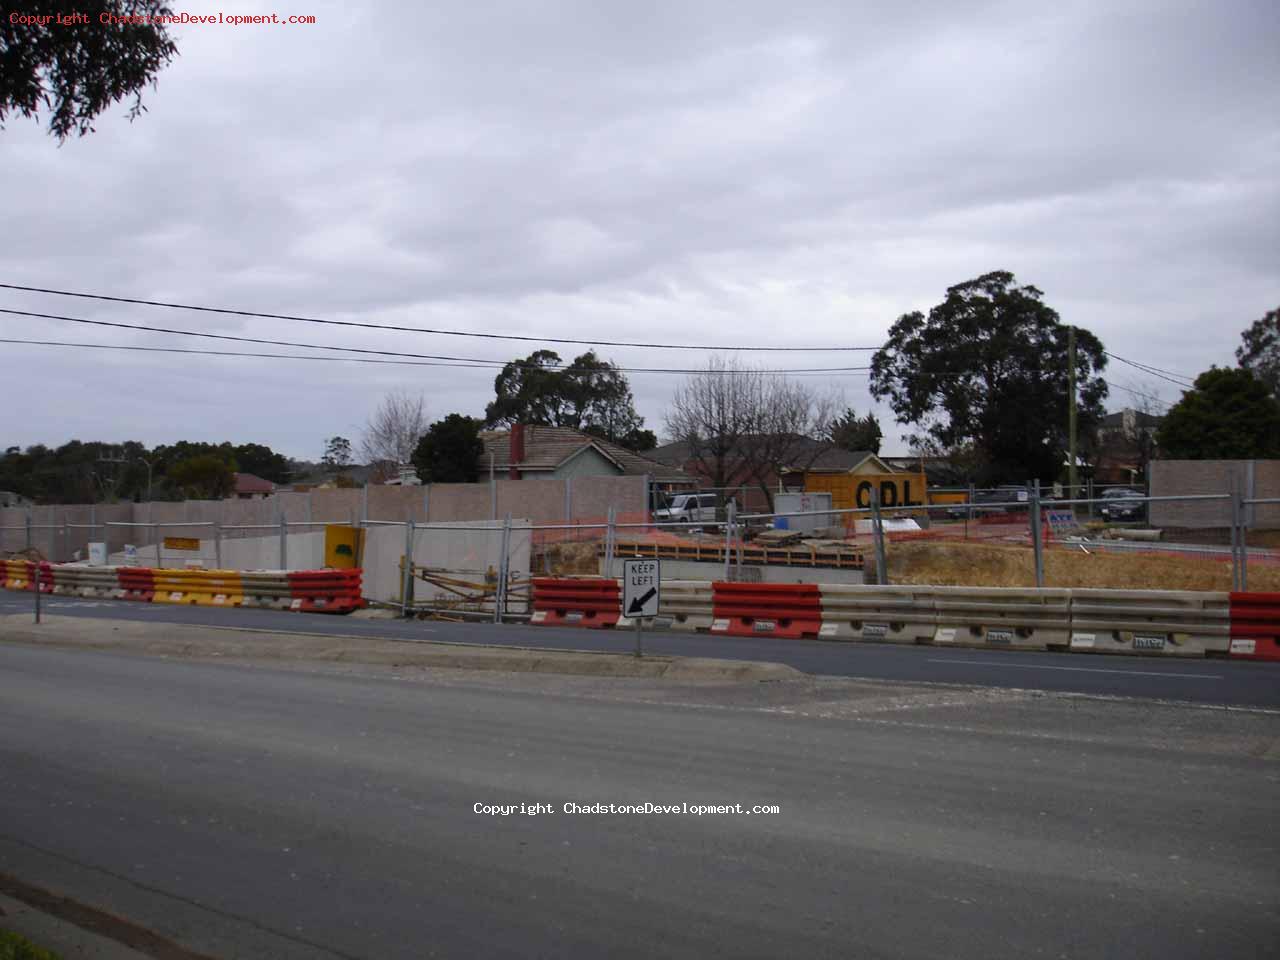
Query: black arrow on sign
{"points": [[638, 603]]}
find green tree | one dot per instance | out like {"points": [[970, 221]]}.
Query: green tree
{"points": [[450, 451], [1227, 415], [76, 472], [851, 432], [988, 367], [263, 462], [590, 394], [1260, 352], [205, 476], [75, 65], [337, 454]]}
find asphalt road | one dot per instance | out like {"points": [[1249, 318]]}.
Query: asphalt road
{"points": [[1221, 682], [257, 812]]}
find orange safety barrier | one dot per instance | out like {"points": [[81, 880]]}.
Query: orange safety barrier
{"points": [[325, 591], [138, 583], [569, 602], [789, 610], [1255, 626]]}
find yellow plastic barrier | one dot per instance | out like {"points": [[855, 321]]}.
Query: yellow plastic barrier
{"points": [[208, 588]]}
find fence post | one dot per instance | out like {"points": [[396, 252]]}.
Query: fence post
{"points": [[504, 572], [155, 538], [877, 533], [568, 499], [36, 584], [406, 569], [1235, 546], [1240, 525], [1037, 534], [284, 543], [731, 515], [610, 540], [217, 544], [28, 530]]}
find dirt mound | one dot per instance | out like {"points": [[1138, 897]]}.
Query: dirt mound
{"points": [[989, 565]]}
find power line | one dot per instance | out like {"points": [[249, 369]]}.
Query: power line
{"points": [[467, 365], [1182, 380], [459, 361], [1138, 393], [430, 330]]}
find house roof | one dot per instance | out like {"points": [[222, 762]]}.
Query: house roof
{"points": [[800, 448], [546, 448], [838, 460], [1140, 419], [251, 483]]}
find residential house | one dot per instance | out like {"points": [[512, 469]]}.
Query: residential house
{"points": [[746, 478], [251, 487], [529, 451], [1125, 443]]}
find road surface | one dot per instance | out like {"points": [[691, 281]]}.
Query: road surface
{"points": [[1221, 682], [251, 811]]}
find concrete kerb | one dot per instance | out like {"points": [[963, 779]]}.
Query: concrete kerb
{"points": [[225, 643]]}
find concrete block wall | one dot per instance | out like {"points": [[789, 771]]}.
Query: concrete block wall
{"points": [[1172, 478], [539, 501]]}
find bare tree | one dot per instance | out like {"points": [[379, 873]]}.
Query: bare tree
{"points": [[792, 430], [744, 425], [712, 412], [392, 433]]}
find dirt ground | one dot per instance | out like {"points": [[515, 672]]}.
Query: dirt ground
{"points": [[567, 559], [990, 565]]}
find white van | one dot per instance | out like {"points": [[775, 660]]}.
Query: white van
{"points": [[688, 508]]}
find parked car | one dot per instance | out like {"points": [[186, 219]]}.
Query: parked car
{"points": [[688, 508], [985, 503], [1121, 503]]}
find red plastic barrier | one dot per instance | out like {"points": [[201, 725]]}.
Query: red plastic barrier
{"points": [[789, 610], [325, 591], [138, 583], [563, 602], [1255, 626]]}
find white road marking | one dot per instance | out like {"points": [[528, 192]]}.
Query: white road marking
{"points": [[1039, 666]]}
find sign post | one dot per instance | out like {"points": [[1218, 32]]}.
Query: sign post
{"points": [[641, 593]]}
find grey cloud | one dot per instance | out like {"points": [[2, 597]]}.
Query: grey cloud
{"points": [[700, 172]]}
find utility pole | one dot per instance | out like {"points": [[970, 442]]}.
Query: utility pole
{"points": [[1071, 411]]}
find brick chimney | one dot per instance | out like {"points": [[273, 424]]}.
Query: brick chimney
{"points": [[517, 450]]}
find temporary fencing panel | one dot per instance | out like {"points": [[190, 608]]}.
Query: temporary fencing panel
{"points": [[1160, 622], [894, 614], [1255, 626], [576, 602], [791, 610], [1005, 617]]}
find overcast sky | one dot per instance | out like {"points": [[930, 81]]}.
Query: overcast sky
{"points": [[697, 172]]}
